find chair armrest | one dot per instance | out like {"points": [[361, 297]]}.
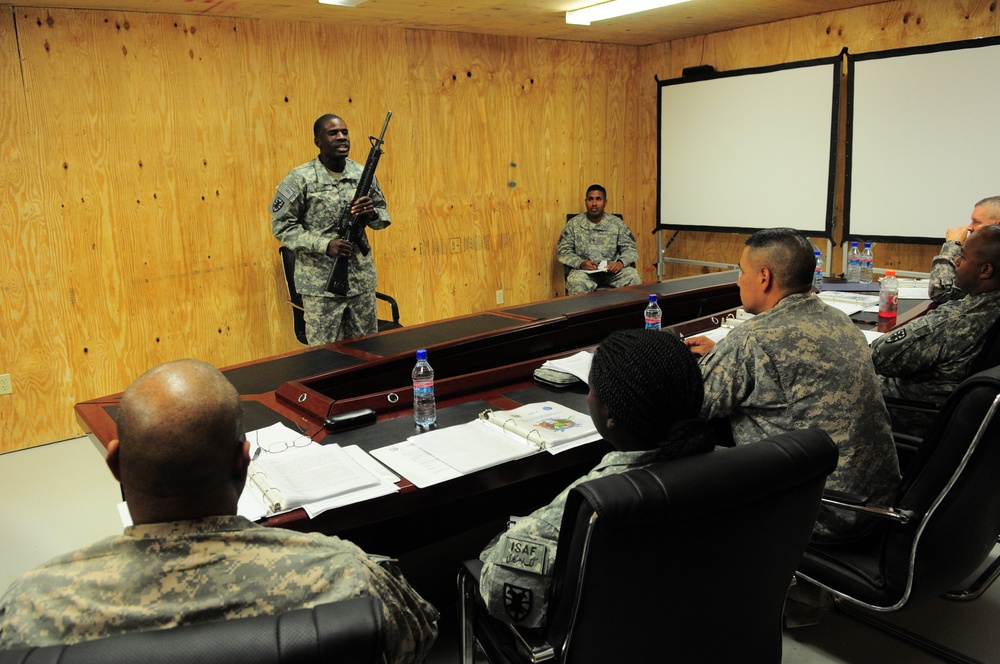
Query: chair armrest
{"points": [[856, 503], [392, 305]]}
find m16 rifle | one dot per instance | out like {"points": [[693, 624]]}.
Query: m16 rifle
{"points": [[349, 227]]}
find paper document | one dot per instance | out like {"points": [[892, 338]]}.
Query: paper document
{"points": [[421, 468], [871, 335], [285, 474], [545, 425], [577, 365], [849, 303]]}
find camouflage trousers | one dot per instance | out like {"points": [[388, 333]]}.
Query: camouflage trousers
{"points": [[330, 319], [578, 281]]}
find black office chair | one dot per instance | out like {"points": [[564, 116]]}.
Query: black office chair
{"points": [[567, 268], [348, 632], [683, 561], [295, 299], [943, 524]]}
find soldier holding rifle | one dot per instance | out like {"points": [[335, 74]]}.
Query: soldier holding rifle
{"points": [[305, 215]]}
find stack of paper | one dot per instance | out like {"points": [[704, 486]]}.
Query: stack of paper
{"points": [[313, 476], [578, 365]]}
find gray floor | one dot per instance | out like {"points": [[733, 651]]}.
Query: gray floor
{"points": [[57, 497]]}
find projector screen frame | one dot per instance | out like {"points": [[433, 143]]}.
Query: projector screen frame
{"points": [[834, 65]]}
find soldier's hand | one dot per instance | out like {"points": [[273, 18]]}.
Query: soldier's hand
{"points": [[588, 265], [363, 207], [339, 248], [958, 234], [615, 267], [699, 345]]}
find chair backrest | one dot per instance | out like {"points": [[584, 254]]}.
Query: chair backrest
{"points": [[295, 299], [688, 560], [951, 485], [348, 632], [298, 314]]}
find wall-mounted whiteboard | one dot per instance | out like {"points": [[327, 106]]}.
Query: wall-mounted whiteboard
{"points": [[750, 149], [923, 139]]}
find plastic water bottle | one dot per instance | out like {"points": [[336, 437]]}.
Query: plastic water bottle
{"points": [[888, 295], [818, 275], [867, 262], [853, 264], [653, 313], [424, 407]]}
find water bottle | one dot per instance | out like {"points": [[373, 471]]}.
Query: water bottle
{"points": [[653, 313], [888, 295], [424, 407], [867, 261], [818, 275], [853, 264]]}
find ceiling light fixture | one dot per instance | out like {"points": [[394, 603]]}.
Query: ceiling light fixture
{"points": [[614, 9], [342, 3]]}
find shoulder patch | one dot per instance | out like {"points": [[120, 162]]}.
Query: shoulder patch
{"points": [[517, 601], [523, 554], [896, 335], [277, 204], [285, 190]]}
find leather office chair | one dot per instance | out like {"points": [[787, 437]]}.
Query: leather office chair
{"points": [[941, 527], [687, 560], [295, 299], [348, 632]]}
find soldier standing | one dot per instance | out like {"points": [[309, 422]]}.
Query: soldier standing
{"points": [[304, 216]]}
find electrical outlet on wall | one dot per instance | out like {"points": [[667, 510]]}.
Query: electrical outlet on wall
{"points": [[5, 384], [500, 296]]}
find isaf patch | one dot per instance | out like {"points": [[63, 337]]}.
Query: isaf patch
{"points": [[517, 601], [524, 555]]}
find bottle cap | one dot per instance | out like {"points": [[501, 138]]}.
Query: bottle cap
{"points": [[817, 253], [868, 245], [854, 244], [421, 354], [890, 273], [652, 297]]}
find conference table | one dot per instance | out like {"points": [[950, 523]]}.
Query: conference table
{"points": [[482, 360]]}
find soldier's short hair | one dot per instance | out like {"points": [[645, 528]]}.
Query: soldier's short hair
{"points": [[988, 238], [992, 205], [647, 380], [788, 254], [597, 187], [321, 120]]}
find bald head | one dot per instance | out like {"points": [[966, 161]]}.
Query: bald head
{"points": [[977, 269], [180, 430]]}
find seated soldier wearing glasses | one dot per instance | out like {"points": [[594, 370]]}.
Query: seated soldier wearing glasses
{"points": [[181, 457]]}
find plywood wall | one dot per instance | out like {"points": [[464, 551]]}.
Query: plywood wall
{"points": [[141, 151]]}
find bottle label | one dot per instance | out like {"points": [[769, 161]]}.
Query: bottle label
{"points": [[423, 388], [652, 323]]}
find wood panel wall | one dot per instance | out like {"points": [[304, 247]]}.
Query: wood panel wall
{"points": [[141, 152]]}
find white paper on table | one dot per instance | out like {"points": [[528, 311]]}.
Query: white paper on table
{"points": [[416, 465], [472, 446], [577, 365], [914, 293], [871, 335]]}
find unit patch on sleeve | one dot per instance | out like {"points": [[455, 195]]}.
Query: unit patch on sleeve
{"points": [[517, 601], [896, 335]]}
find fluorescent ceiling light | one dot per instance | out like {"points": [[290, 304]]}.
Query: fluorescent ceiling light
{"points": [[342, 3], [614, 9]]}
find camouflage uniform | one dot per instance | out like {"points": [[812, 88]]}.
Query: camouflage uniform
{"points": [[927, 358], [942, 284], [804, 364], [516, 577], [305, 209], [162, 575], [609, 239]]}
